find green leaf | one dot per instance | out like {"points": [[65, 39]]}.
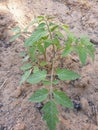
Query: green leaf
{"points": [[36, 69], [38, 19], [26, 58], [47, 82], [82, 54], [91, 51], [35, 37], [26, 66], [85, 40], [32, 52], [25, 76], [50, 115], [16, 30], [68, 49], [64, 26], [56, 42], [55, 82], [53, 28], [43, 63], [13, 38], [47, 43], [65, 74], [37, 77], [23, 54], [41, 48], [59, 34], [39, 96], [41, 26], [62, 99]]}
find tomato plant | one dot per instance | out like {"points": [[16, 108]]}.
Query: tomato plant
{"points": [[39, 66]]}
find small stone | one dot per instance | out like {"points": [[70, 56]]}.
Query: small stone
{"points": [[19, 126], [85, 104], [17, 93]]}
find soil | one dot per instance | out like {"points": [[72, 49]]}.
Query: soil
{"points": [[16, 112]]}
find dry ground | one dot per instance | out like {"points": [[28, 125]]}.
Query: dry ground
{"points": [[16, 112]]}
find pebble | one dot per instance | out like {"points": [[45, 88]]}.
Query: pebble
{"points": [[85, 104], [17, 93], [19, 126]]}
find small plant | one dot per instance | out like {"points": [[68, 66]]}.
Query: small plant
{"points": [[40, 67]]}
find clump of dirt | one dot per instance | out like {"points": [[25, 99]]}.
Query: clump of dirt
{"points": [[16, 112]]}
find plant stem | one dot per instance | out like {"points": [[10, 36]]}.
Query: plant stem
{"points": [[45, 58], [52, 71]]}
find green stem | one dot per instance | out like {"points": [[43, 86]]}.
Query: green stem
{"points": [[52, 71]]}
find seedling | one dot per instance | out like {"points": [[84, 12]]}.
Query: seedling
{"points": [[46, 45]]}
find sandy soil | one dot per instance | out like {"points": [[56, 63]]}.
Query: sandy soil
{"points": [[16, 112]]}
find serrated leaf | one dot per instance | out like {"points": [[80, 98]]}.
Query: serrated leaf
{"points": [[26, 66], [65, 74], [13, 38], [62, 99], [50, 115], [82, 54], [39, 96], [35, 37], [37, 77], [25, 76]]}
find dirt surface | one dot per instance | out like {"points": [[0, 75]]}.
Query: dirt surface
{"points": [[16, 112]]}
